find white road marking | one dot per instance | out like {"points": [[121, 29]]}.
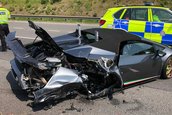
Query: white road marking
{"points": [[18, 28], [70, 31], [20, 37], [53, 30]]}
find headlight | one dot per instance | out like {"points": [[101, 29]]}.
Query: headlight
{"points": [[106, 63]]}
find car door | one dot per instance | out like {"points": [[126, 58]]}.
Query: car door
{"points": [[136, 21], [138, 62], [161, 26]]}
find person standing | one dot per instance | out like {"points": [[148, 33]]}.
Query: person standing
{"points": [[4, 29]]}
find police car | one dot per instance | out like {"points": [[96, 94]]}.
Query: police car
{"points": [[151, 22]]}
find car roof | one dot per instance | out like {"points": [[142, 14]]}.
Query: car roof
{"points": [[111, 39], [138, 6]]}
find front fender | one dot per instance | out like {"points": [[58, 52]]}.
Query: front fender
{"points": [[61, 82]]}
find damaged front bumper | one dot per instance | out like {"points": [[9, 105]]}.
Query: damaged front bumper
{"points": [[59, 85]]}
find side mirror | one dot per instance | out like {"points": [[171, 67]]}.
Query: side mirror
{"points": [[160, 53]]}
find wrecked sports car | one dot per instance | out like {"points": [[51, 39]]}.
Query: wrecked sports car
{"points": [[92, 62]]}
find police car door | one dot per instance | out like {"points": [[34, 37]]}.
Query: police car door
{"points": [[135, 21], [161, 26]]}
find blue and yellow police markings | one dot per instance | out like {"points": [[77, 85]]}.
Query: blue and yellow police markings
{"points": [[121, 24], [167, 31], [137, 27], [134, 27], [156, 31]]}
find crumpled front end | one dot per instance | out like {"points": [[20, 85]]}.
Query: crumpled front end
{"points": [[48, 72], [62, 83], [40, 71], [42, 85]]}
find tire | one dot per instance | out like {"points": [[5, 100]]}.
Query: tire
{"points": [[167, 69]]}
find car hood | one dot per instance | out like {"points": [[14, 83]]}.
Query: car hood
{"points": [[71, 46], [90, 52]]}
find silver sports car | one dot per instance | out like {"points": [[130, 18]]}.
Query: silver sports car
{"points": [[93, 62]]}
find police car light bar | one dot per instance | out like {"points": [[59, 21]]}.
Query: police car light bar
{"points": [[148, 3]]}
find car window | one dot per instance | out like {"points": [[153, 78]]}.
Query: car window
{"points": [[139, 14], [160, 15], [118, 14], [127, 14], [136, 14], [137, 48]]}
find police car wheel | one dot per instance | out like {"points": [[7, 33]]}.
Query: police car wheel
{"points": [[167, 69]]}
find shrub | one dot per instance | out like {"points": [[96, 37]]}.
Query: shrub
{"points": [[95, 15], [44, 1], [79, 2], [28, 6], [20, 9], [53, 1], [48, 9], [88, 6], [27, 1], [11, 9], [54, 8]]}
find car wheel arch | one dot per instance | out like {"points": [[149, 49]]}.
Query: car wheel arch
{"points": [[164, 67]]}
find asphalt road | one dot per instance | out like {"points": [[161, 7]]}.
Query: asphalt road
{"points": [[154, 98]]}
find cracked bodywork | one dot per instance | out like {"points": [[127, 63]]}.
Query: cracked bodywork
{"points": [[81, 62]]}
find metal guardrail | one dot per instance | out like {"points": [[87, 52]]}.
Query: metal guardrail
{"points": [[54, 17]]}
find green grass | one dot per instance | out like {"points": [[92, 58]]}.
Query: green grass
{"points": [[20, 1], [92, 8]]}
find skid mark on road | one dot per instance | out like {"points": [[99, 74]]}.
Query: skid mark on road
{"points": [[25, 37], [137, 105], [115, 102], [158, 88], [5, 65], [70, 31], [132, 105], [7, 91], [18, 28], [54, 30]]}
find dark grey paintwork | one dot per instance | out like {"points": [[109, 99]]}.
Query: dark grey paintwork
{"points": [[90, 52], [126, 68]]}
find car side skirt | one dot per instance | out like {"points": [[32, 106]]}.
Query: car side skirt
{"points": [[140, 80]]}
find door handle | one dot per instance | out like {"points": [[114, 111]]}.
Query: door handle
{"points": [[156, 25]]}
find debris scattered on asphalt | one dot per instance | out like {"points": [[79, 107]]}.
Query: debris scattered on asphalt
{"points": [[115, 102], [72, 108], [124, 101]]}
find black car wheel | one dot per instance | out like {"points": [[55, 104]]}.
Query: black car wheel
{"points": [[167, 70]]}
